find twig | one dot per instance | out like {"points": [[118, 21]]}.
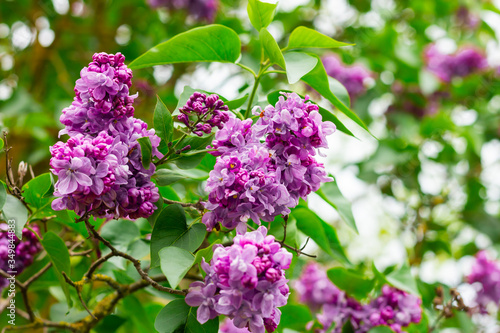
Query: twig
{"points": [[285, 219], [78, 289], [198, 205]]}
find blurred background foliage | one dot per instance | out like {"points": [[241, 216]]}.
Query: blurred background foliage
{"points": [[426, 189]]}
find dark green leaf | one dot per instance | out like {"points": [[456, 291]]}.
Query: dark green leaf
{"points": [[204, 44], [260, 13], [134, 310], [298, 64], [236, 103], [15, 210], [403, 279], [165, 177], [175, 263], [352, 282], [171, 230], [159, 207], [295, 316], [190, 158], [179, 317], [146, 151], [311, 225], [162, 121], [381, 329], [110, 324], [121, 233], [303, 37], [330, 192], [59, 255], [271, 48], [318, 80]]}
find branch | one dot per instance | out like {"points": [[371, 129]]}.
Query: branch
{"points": [[198, 205], [78, 288]]}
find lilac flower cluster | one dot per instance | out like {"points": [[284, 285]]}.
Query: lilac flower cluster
{"points": [[464, 62], [245, 282], [99, 168], [393, 308], [25, 251], [354, 78], [261, 180], [199, 9], [228, 327], [209, 111], [486, 276]]}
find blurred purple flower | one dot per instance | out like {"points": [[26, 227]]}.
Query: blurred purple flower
{"points": [[486, 275], [199, 9]]}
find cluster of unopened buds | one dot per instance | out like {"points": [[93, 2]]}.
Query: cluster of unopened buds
{"points": [[202, 113], [245, 282], [99, 168], [262, 170], [393, 308]]}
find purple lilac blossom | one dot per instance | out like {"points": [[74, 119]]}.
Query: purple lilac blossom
{"points": [[393, 308], [199, 9], [245, 282], [202, 113], [354, 78], [486, 276], [25, 251], [464, 62], [99, 168], [228, 327], [261, 180]]}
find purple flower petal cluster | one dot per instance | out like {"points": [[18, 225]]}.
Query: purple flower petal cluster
{"points": [[228, 327], [245, 282], [261, 180], [199, 9], [354, 78], [486, 275], [464, 62], [202, 113], [99, 168], [25, 251], [393, 308]]}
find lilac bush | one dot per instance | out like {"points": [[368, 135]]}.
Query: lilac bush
{"points": [[354, 78], [99, 168], [25, 251], [485, 275], [245, 282], [261, 180], [464, 62]]}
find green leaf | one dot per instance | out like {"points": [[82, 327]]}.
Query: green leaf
{"points": [[327, 115], [340, 91], [190, 159], [162, 121], [179, 317], [403, 279], [303, 37], [175, 263], [171, 230], [204, 44], [330, 192], [311, 225], [298, 64], [261, 14], [120, 233], [1, 143], [134, 310], [159, 207], [318, 80], [381, 329], [295, 316], [34, 193], [352, 282], [59, 255], [165, 177], [3, 194], [146, 151], [206, 253], [271, 48], [236, 103], [15, 210]]}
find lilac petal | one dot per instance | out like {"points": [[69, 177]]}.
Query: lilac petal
{"points": [[67, 184], [82, 179], [203, 314], [194, 299]]}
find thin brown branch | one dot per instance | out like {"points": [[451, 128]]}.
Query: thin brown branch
{"points": [[78, 289], [197, 205]]}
